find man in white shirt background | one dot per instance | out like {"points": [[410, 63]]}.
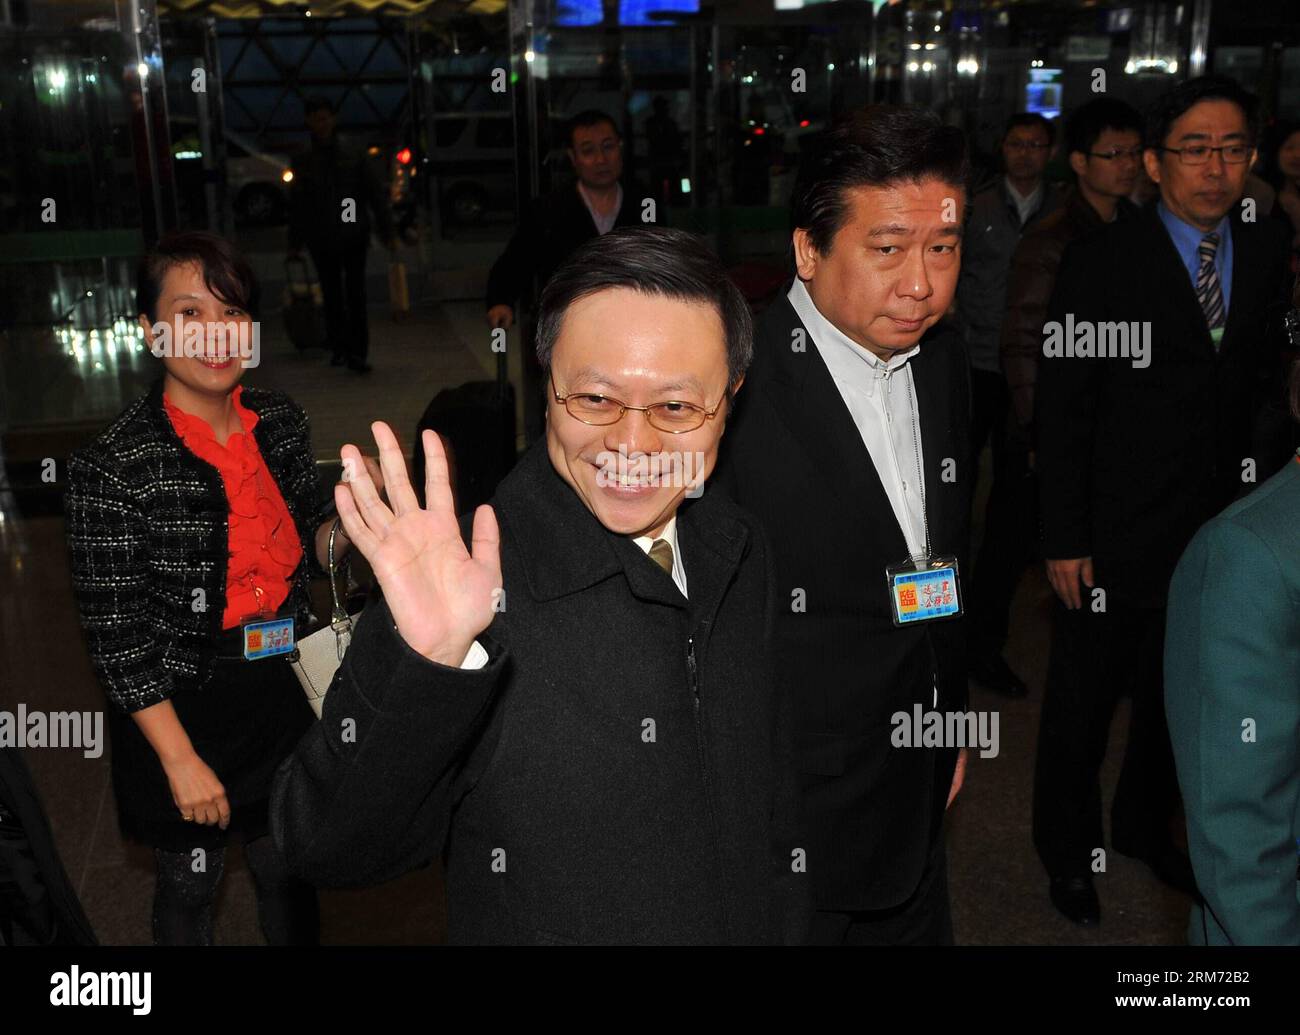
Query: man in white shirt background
{"points": [[552, 228]]}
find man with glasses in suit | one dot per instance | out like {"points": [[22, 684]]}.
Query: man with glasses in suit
{"points": [[1143, 435]]}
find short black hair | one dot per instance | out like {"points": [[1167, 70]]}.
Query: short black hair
{"points": [[590, 117], [653, 260], [225, 271], [1170, 106], [1033, 119], [1085, 125], [1278, 135], [315, 103], [875, 146]]}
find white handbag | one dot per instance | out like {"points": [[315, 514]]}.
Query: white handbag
{"points": [[321, 653]]}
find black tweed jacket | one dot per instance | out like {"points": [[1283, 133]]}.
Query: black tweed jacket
{"points": [[147, 526]]}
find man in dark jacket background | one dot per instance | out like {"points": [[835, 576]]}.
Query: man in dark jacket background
{"points": [[1103, 144], [337, 233], [1155, 373], [581, 713], [556, 224], [1000, 215]]}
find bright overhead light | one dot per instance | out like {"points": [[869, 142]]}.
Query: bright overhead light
{"points": [[142, 70]]}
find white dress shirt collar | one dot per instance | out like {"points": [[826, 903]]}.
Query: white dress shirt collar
{"points": [[843, 356]]}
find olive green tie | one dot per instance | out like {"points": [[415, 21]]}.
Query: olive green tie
{"points": [[661, 552]]}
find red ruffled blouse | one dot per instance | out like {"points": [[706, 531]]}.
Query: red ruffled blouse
{"points": [[264, 546]]}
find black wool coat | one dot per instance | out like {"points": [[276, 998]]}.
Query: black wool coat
{"points": [[1133, 460], [617, 773], [794, 458]]}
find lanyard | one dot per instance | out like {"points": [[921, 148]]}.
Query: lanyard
{"points": [[916, 451], [920, 474]]}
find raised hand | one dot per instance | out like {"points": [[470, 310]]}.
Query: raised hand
{"points": [[440, 595]]}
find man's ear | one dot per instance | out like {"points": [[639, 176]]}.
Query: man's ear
{"points": [[736, 387], [1151, 163], [805, 254], [1078, 162]]}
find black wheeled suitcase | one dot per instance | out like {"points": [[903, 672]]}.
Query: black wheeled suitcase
{"points": [[303, 320], [477, 421]]}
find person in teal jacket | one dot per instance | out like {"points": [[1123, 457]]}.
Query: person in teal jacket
{"points": [[1232, 694]]}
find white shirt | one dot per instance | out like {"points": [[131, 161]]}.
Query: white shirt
{"points": [[478, 657], [1025, 205], [881, 399], [604, 223]]}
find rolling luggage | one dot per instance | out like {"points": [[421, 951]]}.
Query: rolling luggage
{"points": [[477, 423]]}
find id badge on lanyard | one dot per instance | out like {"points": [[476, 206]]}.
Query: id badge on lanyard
{"points": [[266, 636], [923, 589]]}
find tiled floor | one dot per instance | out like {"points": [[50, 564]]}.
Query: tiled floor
{"points": [[998, 889]]}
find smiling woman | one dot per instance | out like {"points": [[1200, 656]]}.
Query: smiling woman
{"points": [[195, 520]]}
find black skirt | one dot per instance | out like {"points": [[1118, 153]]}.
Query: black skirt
{"points": [[243, 723]]}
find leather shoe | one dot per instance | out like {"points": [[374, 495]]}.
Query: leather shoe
{"points": [[338, 359], [1077, 900], [1169, 864], [992, 673]]}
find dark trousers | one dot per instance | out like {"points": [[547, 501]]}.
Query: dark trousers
{"points": [[1096, 658], [1010, 516], [342, 274], [185, 893], [924, 919]]}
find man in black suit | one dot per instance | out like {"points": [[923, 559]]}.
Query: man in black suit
{"points": [[555, 225], [580, 713], [1154, 378], [853, 393]]}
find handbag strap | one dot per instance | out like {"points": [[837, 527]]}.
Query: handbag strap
{"points": [[339, 614]]}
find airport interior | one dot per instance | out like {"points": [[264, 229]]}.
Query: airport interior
{"points": [[133, 120]]}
